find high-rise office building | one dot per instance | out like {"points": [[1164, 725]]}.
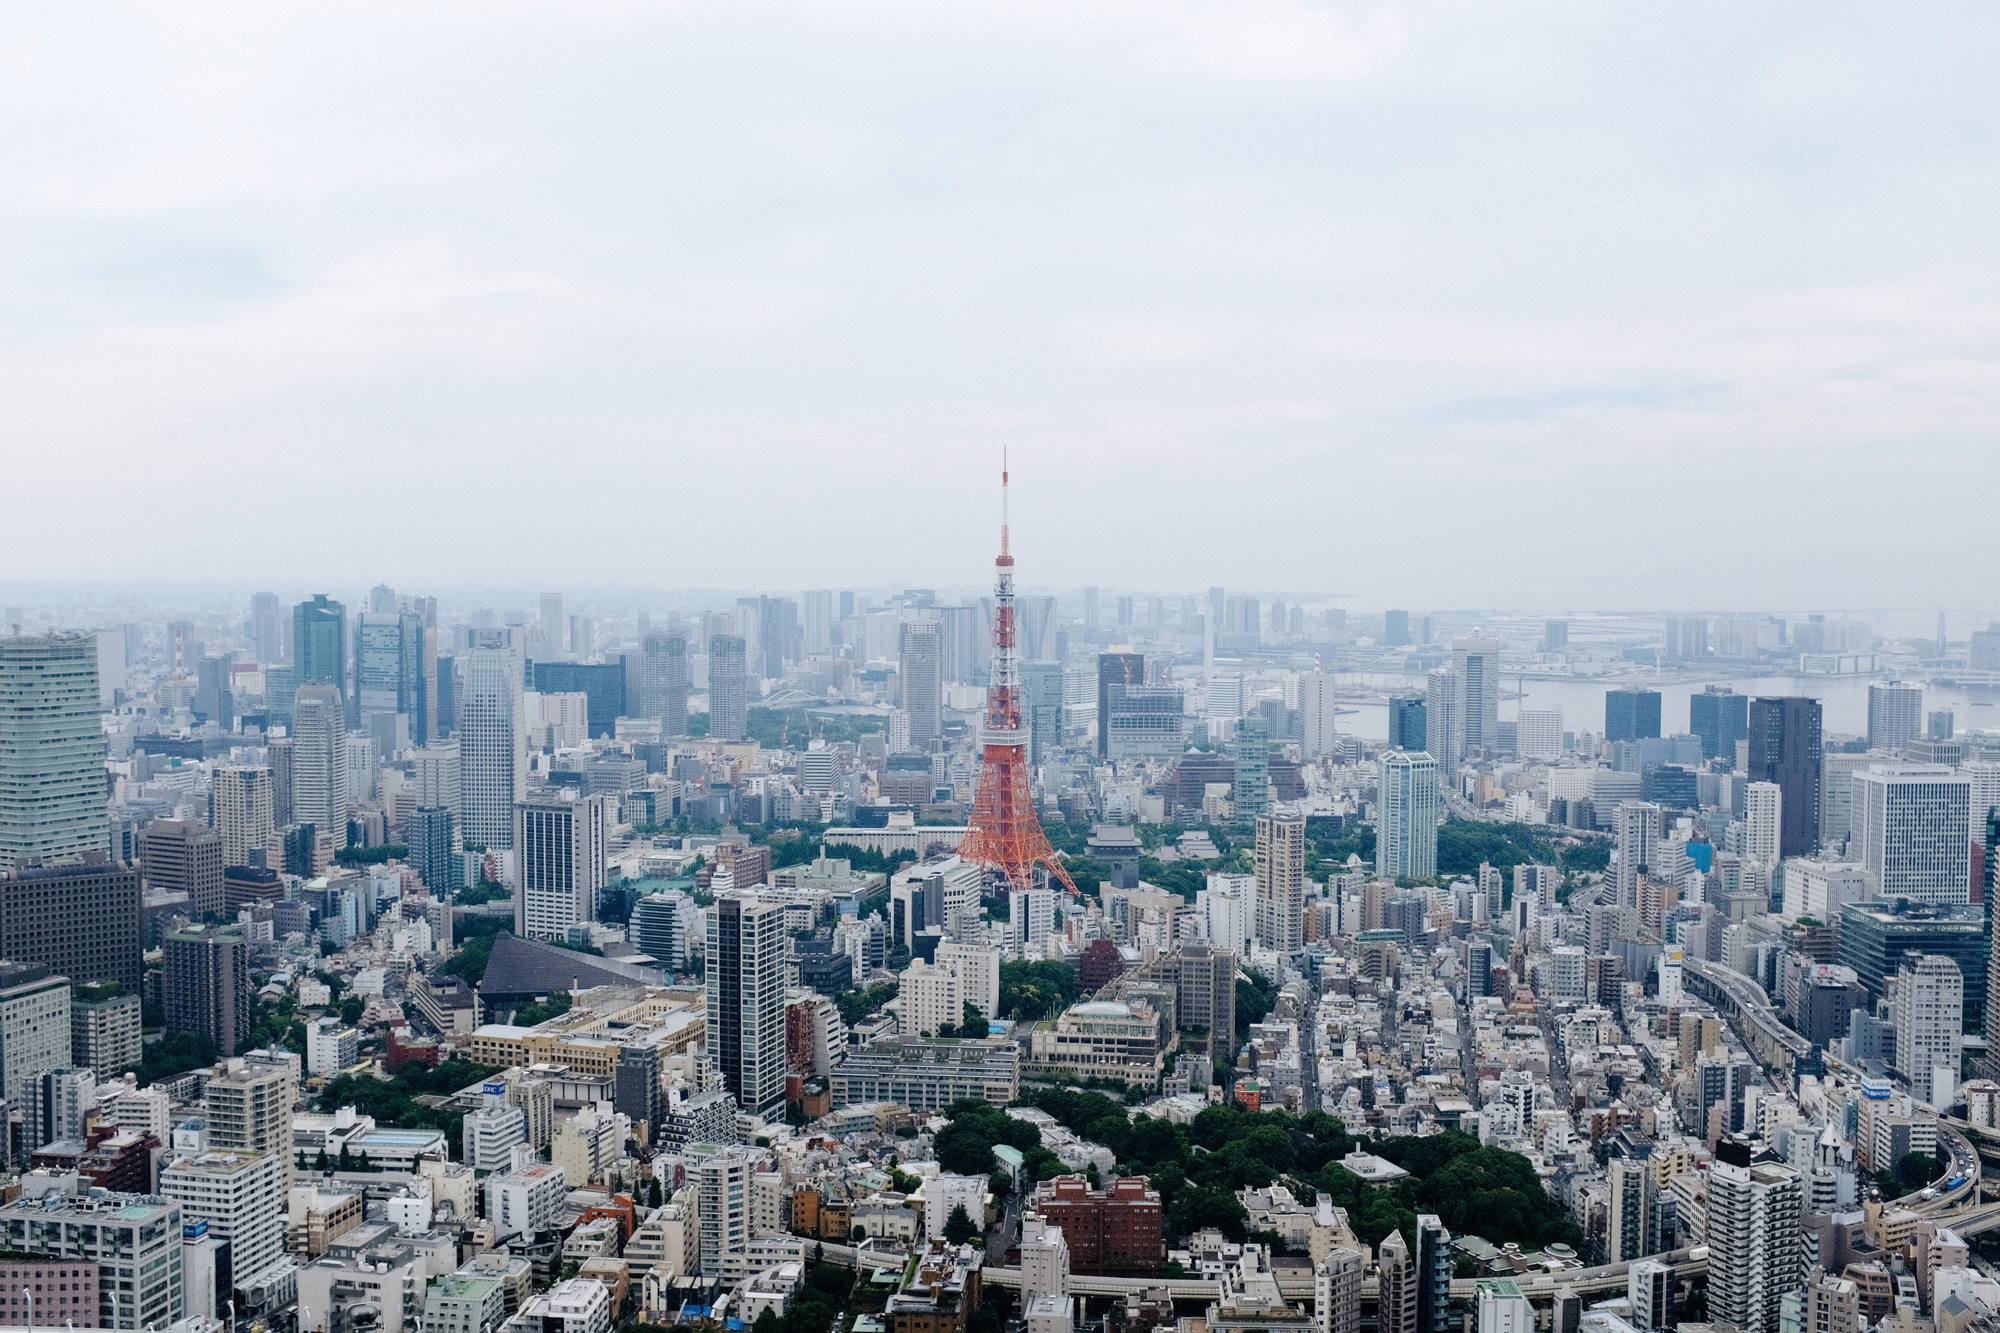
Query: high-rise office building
{"points": [[1895, 714], [208, 986], [492, 746], [429, 834], [1555, 635], [240, 1198], [267, 633], [319, 761], [1281, 881], [1630, 713], [1317, 713], [1409, 723], [663, 680], [1721, 717], [1406, 816], [319, 643], [244, 810], [745, 974], [81, 921], [1395, 629], [920, 669], [1476, 664], [727, 718], [777, 635], [1115, 672], [185, 856], [52, 798], [35, 1030], [816, 622], [1753, 1237], [1042, 705], [1929, 1015], [552, 629], [378, 662], [1911, 827], [1539, 734], [1252, 790], [1090, 608], [439, 778], [1784, 747], [559, 862]]}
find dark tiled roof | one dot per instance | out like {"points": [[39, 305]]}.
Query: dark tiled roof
{"points": [[529, 967]]}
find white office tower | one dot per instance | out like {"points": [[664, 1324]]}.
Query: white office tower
{"points": [[243, 808], [1337, 1287], [816, 621], [52, 805], [438, 784], [1929, 1015], [1502, 1307], [1671, 990], [1031, 918], [1045, 1304], [1224, 908], [1911, 829], [241, 1195], [978, 968], [492, 753], [1895, 715], [1281, 882], [319, 761], [1444, 739], [722, 1192], [1225, 694], [553, 628], [1636, 825], [559, 862], [745, 967], [1476, 663], [1649, 1286], [1317, 712], [1406, 819], [1753, 1238], [928, 998], [1538, 734]]}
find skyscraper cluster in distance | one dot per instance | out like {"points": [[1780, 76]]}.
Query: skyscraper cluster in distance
{"points": [[1340, 967]]}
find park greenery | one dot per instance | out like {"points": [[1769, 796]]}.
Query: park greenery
{"points": [[404, 1100], [1197, 1168], [1030, 992], [377, 855], [855, 1005]]}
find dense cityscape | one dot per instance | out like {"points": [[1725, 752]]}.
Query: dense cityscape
{"points": [[896, 962]]}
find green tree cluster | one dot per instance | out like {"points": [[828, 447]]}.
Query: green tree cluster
{"points": [[175, 1053], [1186, 878], [972, 1025], [965, 1146], [475, 947], [1255, 995], [541, 1011], [371, 856], [485, 891], [855, 1005], [396, 1102], [1030, 992]]}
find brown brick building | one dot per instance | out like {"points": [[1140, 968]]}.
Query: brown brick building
{"points": [[1112, 1231]]}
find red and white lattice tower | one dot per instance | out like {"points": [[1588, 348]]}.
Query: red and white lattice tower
{"points": [[1005, 834]]}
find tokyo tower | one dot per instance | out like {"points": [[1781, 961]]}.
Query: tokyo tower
{"points": [[1005, 834]]}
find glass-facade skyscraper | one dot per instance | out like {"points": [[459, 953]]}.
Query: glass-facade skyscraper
{"points": [[52, 799], [1785, 748]]}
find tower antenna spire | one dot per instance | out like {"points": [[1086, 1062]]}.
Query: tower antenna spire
{"points": [[1003, 499]]}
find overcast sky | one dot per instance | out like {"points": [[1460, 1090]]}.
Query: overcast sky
{"points": [[1434, 305]]}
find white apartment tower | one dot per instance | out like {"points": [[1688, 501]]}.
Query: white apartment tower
{"points": [[1406, 816], [1763, 819], [1929, 1015], [1031, 918], [244, 808], [1045, 1303], [1538, 734], [1636, 825], [929, 997]]}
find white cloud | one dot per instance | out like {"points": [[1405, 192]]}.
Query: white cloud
{"points": [[1264, 294]]}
